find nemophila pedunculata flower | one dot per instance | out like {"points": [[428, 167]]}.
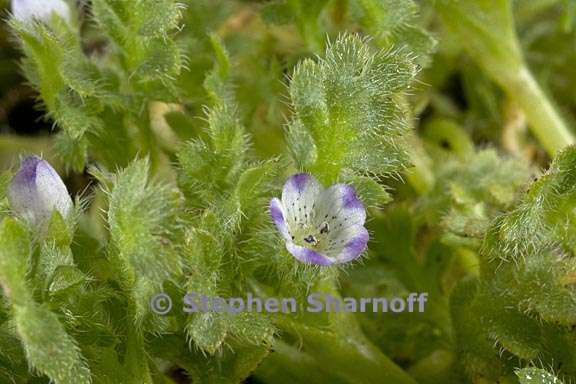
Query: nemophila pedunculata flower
{"points": [[37, 190], [28, 10], [320, 226]]}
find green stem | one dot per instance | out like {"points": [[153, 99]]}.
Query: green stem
{"points": [[147, 139], [486, 30], [439, 130], [420, 176], [330, 161], [336, 343], [353, 358], [341, 344], [296, 367], [543, 118], [135, 359]]}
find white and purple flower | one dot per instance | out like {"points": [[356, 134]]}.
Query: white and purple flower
{"points": [[28, 10], [320, 226], [37, 190]]}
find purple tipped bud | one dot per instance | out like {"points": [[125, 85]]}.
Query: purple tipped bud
{"points": [[28, 10], [37, 190]]}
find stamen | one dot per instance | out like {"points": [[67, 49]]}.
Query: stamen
{"points": [[311, 240]]}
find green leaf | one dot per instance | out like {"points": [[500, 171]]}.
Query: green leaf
{"points": [[234, 367], [49, 349], [51, 257], [183, 125], [371, 193], [71, 113], [506, 325], [142, 219], [213, 165], [301, 145], [156, 18], [476, 350], [536, 376], [74, 151], [253, 328], [303, 13], [252, 185], [15, 256], [82, 76], [347, 103], [542, 289], [12, 357], [143, 18], [44, 52], [541, 220], [5, 178], [217, 82], [140, 31], [472, 188], [394, 23], [162, 60], [208, 330], [139, 216], [59, 232], [65, 277]]}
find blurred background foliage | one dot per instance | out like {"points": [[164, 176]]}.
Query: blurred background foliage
{"points": [[475, 159], [266, 39]]}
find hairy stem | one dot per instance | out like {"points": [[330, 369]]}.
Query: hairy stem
{"points": [[352, 357], [543, 118]]}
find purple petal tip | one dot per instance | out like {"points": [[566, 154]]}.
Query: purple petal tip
{"points": [[27, 172], [307, 255], [36, 190], [357, 245], [275, 211], [350, 199], [275, 208], [300, 180]]}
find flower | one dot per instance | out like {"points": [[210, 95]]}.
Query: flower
{"points": [[27, 10], [320, 226], [37, 190]]}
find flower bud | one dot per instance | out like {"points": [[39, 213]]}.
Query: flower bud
{"points": [[37, 190], [28, 10]]}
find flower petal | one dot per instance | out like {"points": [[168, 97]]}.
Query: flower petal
{"points": [[307, 255], [27, 10], [277, 213], [322, 227], [355, 246], [51, 189], [299, 199], [36, 190], [22, 192], [347, 244], [340, 208]]}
